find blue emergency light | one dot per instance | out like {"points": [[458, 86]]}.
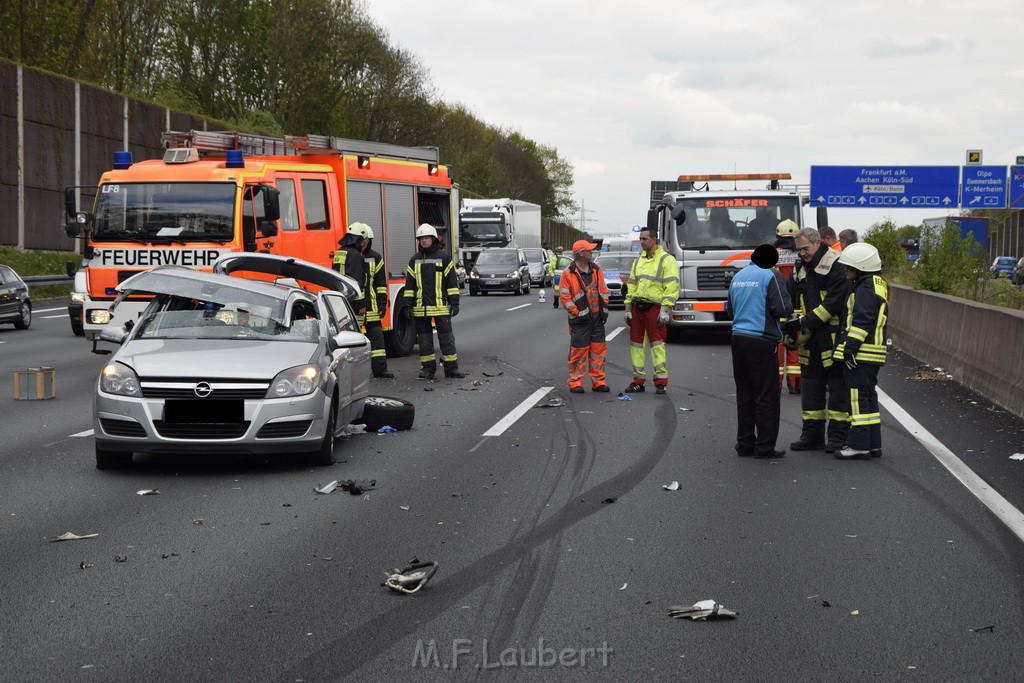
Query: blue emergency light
{"points": [[234, 159], [122, 160]]}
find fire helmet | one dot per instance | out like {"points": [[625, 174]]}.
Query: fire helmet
{"points": [[862, 256], [559, 249], [426, 230], [787, 228], [361, 229]]}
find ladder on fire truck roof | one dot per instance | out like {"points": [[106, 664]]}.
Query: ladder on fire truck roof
{"points": [[218, 142]]}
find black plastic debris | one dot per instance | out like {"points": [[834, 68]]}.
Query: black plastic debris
{"points": [[701, 611], [608, 501], [411, 578], [358, 486], [120, 558], [493, 374], [991, 629], [553, 402]]}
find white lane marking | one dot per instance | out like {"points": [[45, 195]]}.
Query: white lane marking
{"points": [[49, 310], [614, 333], [516, 308], [504, 423], [87, 432], [999, 506], [48, 317]]}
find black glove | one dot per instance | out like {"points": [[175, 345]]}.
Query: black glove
{"points": [[793, 327], [455, 310], [850, 358], [604, 317], [382, 303]]}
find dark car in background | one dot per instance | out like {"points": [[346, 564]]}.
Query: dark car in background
{"points": [[1003, 266], [1017, 276], [616, 266], [15, 304], [500, 270], [538, 259]]}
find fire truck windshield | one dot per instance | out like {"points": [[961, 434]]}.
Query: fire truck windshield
{"points": [[159, 213], [487, 230], [733, 222]]}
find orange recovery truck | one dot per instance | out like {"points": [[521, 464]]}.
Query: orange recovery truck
{"points": [[215, 193]]}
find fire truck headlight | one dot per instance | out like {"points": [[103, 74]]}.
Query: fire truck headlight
{"points": [[99, 317], [686, 306], [119, 379], [78, 297], [297, 381]]}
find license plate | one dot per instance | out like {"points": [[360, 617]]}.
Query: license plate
{"points": [[187, 411], [492, 282]]}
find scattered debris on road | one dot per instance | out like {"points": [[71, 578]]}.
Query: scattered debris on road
{"points": [[493, 374], [328, 487], [1017, 456], [148, 492], [686, 410], [351, 429], [386, 429], [358, 486], [674, 486], [608, 501], [68, 536], [413, 577], [553, 402], [623, 586], [991, 629], [85, 565], [120, 558], [623, 397], [701, 611], [403, 507]]}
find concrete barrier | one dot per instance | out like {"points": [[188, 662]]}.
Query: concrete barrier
{"points": [[982, 346]]}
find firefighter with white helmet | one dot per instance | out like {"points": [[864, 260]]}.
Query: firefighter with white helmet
{"points": [[349, 260], [788, 353], [432, 289], [375, 286], [862, 349]]}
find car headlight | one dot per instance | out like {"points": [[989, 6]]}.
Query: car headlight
{"points": [[77, 297], [475, 275], [119, 379], [297, 381], [513, 274]]}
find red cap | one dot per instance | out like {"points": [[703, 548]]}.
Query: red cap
{"points": [[583, 245]]}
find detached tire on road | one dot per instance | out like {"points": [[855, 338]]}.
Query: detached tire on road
{"points": [[387, 411]]}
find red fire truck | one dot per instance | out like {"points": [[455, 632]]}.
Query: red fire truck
{"points": [[215, 193]]}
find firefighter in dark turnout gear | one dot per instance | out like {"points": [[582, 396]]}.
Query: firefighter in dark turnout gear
{"points": [[432, 289], [375, 287], [822, 288], [349, 261], [862, 349]]}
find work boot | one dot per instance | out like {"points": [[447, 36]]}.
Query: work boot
{"points": [[554, 304], [847, 453], [660, 389], [876, 452], [805, 443], [453, 373], [601, 388], [635, 388], [385, 374], [770, 454], [426, 373], [576, 390]]}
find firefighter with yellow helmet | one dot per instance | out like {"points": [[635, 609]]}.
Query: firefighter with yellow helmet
{"points": [[432, 290], [862, 349], [788, 351], [375, 287]]}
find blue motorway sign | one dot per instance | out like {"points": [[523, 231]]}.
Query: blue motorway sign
{"points": [[984, 187], [1016, 187], [896, 187]]}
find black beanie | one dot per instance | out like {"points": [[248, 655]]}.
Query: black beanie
{"points": [[765, 256]]}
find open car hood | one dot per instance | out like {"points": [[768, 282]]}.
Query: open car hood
{"points": [[281, 267]]}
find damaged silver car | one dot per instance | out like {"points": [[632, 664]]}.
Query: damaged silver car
{"points": [[226, 364]]}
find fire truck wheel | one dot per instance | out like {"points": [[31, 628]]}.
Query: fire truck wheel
{"points": [[387, 411], [76, 328]]}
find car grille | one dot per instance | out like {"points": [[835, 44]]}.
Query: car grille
{"points": [[715, 277], [177, 387], [284, 430], [201, 430], [122, 428]]}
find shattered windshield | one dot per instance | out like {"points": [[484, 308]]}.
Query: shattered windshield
{"points": [[165, 213], [177, 317], [733, 222]]}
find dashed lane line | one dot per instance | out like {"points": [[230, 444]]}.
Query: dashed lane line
{"points": [[49, 310], [614, 333], [87, 432], [516, 308], [504, 423], [990, 498]]}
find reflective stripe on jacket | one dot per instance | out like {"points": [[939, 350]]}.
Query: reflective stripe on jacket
{"points": [[583, 301], [867, 315], [376, 286], [431, 284], [654, 279]]}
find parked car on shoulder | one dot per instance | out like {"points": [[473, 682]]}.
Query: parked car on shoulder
{"points": [[15, 303], [1003, 266], [500, 270], [616, 266], [228, 364], [538, 259], [1017, 276]]}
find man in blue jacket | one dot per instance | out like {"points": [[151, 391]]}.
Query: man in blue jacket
{"points": [[757, 301]]}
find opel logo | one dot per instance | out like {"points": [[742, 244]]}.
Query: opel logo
{"points": [[203, 389]]}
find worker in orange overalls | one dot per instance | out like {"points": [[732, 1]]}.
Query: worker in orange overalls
{"points": [[789, 358], [584, 294]]}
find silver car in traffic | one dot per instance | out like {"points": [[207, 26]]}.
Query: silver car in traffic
{"points": [[225, 364]]}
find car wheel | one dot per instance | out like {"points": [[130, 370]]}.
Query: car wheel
{"points": [[528, 283], [387, 411], [472, 291], [325, 454], [112, 460], [518, 291], [25, 318]]}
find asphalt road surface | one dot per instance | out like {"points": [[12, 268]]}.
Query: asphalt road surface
{"points": [[560, 551]]}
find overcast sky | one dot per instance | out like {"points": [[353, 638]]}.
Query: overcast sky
{"points": [[637, 90]]}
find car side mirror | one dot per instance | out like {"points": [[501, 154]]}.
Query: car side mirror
{"points": [[347, 340], [116, 334]]}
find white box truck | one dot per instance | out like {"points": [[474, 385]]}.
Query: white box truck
{"points": [[486, 223]]}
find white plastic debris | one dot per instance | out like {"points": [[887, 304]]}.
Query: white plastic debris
{"points": [[623, 586], [68, 536], [148, 492], [351, 429], [327, 488], [701, 611], [1017, 456], [674, 486]]}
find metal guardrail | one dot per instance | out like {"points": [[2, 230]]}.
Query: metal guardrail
{"points": [[45, 280]]}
